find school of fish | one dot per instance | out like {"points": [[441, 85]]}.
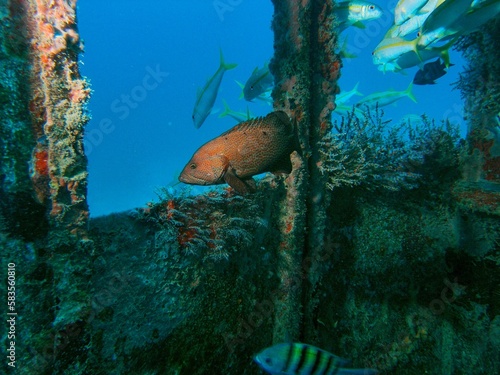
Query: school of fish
{"points": [[426, 29], [422, 30]]}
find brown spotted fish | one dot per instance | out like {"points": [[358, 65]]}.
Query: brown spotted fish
{"points": [[255, 146]]}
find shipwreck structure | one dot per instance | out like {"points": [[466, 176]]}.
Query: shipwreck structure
{"points": [[404, 280]]}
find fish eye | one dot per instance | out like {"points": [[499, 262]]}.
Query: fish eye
{"points": [[371, 7], [268, 361], [192, 166]]}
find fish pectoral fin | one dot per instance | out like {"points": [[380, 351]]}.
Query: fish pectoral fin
{"points": [[252, 185], [359, 25], [241, 186]]}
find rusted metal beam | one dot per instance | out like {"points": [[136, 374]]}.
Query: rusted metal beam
{"points": [[306, 70]]}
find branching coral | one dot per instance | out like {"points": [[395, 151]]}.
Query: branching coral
{"points": [[207, 225], [373, 154]]}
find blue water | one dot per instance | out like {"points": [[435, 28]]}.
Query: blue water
{"points": [[146, 59]]}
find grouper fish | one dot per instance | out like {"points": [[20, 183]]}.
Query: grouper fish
{"points": [[205, 97], [263, 144]]}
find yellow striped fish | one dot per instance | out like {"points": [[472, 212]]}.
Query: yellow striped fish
{"points": [[384, 98], [205, 97], [406, 9], [303, 359]]}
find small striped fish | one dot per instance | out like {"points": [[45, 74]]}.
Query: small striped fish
{"points": [[303, 359]]}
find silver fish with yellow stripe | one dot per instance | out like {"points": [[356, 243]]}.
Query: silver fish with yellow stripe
{"points": [[352, 13], [390, 49], [406, 9], [383, 98], [205, 97], [410, 59], [303, 359], [441, 19]]}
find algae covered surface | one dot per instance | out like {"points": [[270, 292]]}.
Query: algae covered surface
{"points": [[381, 246]]}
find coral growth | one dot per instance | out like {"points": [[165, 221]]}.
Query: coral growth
{"points": [[373, 154], [58, 112], [483, 197], [43, 114], [202, 224], [183, 268], [39, 171]]}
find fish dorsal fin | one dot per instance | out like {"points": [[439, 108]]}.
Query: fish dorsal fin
{"points": [[252, 123], [242, 126], [280, 118]]}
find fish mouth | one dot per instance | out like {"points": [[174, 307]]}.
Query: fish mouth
{"points": [[192, 180], [188, 180]]}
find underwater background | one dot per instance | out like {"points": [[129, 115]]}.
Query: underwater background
{"points": [[150, 145], [152, 140], [381, 246]]}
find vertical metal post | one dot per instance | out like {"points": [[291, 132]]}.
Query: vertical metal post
{"points": [[44, 124], [306, 69]]}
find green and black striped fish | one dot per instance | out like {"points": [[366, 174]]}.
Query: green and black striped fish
{"points": [[303, 359]]}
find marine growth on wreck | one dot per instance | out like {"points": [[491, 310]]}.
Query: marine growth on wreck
{"points": [[336, 232]]}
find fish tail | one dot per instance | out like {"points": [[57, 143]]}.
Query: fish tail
{"points": [[445, 52], [226, 110], [344, 53], [242, 86], [356, 92], [446, 58], [225, 65], [409, 93]]}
